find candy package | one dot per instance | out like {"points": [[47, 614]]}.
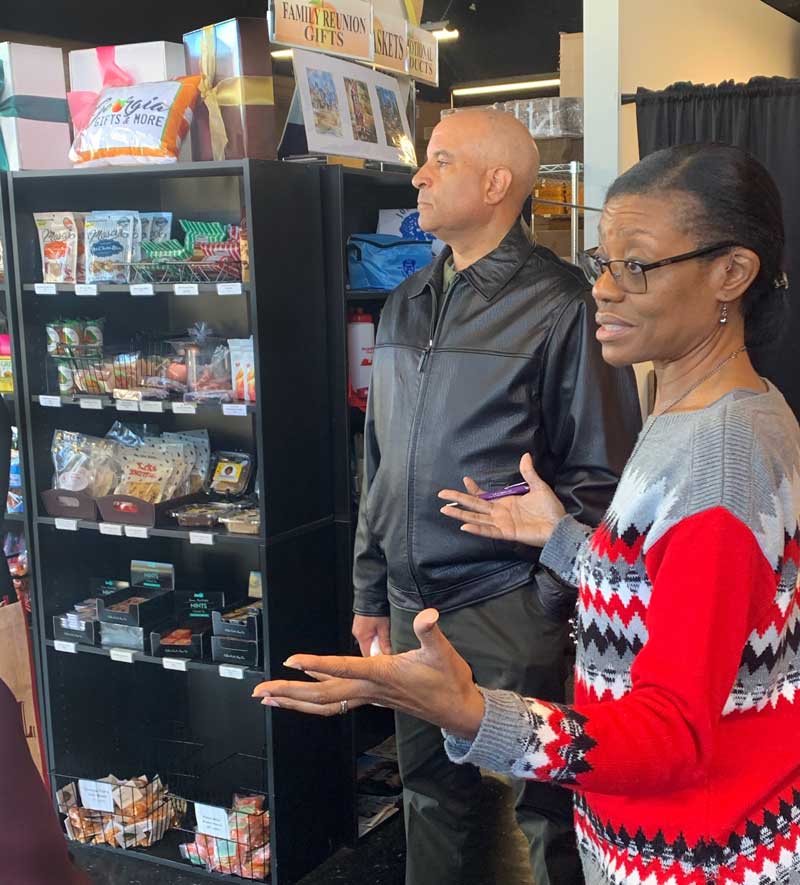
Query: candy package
{"points": [[58, 240], [156, 226], [199, 445], [243, 372], [230, 473], [243, 522], [145, 123], [147, 472], [83, 463], [110, 246]]}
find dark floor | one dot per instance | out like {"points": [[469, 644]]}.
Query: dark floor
{"points": [[379, 859]]}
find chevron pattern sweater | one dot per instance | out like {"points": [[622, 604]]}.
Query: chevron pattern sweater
{"points": [[683, 744]]}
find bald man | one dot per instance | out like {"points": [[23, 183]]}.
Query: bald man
{"points": [[487, 353]]}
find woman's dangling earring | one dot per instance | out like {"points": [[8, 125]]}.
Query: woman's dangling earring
{"points": [[724, 317]]}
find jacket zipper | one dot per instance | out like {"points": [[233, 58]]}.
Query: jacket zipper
{"points": [[435, 329]]}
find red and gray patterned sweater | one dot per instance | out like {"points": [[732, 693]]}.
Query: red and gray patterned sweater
{"points": [[683, 744]]}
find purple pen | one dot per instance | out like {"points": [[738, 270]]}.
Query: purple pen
{"points": [[520, 488]]}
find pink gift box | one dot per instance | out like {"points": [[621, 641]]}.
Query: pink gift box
{"points": [[34, 123]]}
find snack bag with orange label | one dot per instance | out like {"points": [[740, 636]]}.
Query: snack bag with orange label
{"points": [[243, 371], [58, 238], [145, 123]]}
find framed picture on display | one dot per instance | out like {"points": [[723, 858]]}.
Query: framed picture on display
{"points": [[352, 110]]}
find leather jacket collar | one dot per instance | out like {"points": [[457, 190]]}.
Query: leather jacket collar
{"points": [[489, 274]]}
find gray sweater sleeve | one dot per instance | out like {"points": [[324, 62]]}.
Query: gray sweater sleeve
{"points": [[503, 737], [561, 554]]}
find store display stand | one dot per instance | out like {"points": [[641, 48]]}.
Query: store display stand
{"points": [[132, 715], [352, 199]]}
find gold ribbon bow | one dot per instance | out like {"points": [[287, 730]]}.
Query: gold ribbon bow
{"points": [[230, 92]]}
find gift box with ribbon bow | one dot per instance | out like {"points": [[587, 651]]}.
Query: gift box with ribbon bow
{"points": [[34, 121], [91, 70], [236, 115]]}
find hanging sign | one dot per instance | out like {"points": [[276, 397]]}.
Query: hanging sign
{"points": [[423, 56], [338, 27], [391, 43]]}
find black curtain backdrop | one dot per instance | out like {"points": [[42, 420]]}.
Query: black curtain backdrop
{"points": [[762, 117]]}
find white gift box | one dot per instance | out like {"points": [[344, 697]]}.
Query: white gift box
{"points": [[34, 122]]}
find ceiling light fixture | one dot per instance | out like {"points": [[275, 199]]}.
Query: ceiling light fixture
{"points": [[282, 53], [523, 86], [445, 35]]}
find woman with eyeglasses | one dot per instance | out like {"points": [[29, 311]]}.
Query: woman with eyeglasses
{"points": [[683, 745]]}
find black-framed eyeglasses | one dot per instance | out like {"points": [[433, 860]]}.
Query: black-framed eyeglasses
{"points": [[631, 276]]}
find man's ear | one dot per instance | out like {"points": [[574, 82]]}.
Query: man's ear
{"points": [[498, 183]]}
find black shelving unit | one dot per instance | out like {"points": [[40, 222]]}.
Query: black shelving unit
{"points": [[104, 715], [352, 199], [9, 307]]}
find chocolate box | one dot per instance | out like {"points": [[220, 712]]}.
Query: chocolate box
{"points": [[198, 605], [196, 650], [241, 652], [157, 606], [126, 636], [248, 626], [237, 118], [87, 634]]}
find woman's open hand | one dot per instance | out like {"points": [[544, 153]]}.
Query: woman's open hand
{"points": [[526, 519], [432, 682]]}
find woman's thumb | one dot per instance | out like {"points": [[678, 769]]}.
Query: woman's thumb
{"points": [[528, 473], [426, 626]]}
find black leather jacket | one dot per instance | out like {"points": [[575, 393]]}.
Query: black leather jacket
{"points": [[507, 363]]}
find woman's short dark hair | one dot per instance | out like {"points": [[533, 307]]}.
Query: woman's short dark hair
{"points": [[736, 199]]}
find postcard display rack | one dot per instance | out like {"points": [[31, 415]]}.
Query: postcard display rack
{"points": [[193, 721], [352, 200]]}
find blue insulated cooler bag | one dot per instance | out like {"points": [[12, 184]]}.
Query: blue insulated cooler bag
{"points": [[383, 261]]}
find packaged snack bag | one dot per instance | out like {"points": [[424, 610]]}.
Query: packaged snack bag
{"points": [[110, 245], [80, 223], [137, 124], [156, 226], [58, 238], [244, 251], [243, 373]]}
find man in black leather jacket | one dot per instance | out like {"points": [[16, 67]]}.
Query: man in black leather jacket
{"points": [[487, 353]]}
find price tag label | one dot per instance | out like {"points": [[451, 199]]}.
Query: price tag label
{"points": [[211, 821], [91, 402], [229, 288], [227, 672], [110, 528], [174, 664], [142, 289], [52, 402], [184, 408], [137, 531], [127, 405], [234, 408], [71, 648], [186, 289], [66, 525], [151, 405], [44, 288], [122, 655], [96, 796], [201, 538], [85, 288]]}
